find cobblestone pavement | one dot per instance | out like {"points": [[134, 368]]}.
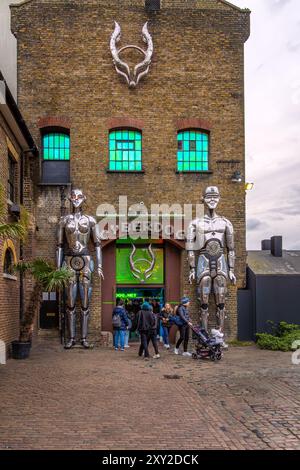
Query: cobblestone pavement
{"points": [[103, 399]]}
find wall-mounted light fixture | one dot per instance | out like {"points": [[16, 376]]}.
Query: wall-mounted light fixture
{"points": [[249, 186], [237, 177]]}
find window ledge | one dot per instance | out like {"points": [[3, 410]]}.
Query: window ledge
{"points": [[126, 172], [196, 172], [10, 277]]}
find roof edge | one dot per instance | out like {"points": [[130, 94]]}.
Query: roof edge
{"points": [[235, 7], [15, 5], [225, 2], [13, 107]]}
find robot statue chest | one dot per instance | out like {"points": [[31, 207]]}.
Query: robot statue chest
{"points": [[78, 225], [214, 228]]}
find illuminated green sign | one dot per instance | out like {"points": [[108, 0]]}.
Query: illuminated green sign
{"points": [[139, 265]]}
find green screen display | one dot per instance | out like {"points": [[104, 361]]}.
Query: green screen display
{"points": [[144, 270]]}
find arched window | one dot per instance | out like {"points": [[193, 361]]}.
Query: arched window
{"points": [[193, 150], [56, 146], [56, 156], [8, 262], [125, 150]]}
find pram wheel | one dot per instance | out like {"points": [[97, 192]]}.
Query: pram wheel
{"points": [[194, 356], [215, 354]]}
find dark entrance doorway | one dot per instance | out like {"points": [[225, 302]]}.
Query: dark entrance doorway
{"points": [[134, 297], [140, 293], [49, 311]]}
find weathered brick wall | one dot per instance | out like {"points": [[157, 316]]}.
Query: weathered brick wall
{"points": [[65, 69], [9, 288]]}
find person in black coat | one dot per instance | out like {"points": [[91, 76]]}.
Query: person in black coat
{"points": [[146, 326], [184, 326]]}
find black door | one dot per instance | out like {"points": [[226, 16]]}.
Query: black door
{"points": [[49, 312]]}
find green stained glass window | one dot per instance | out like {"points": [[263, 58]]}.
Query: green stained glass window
{"points": [[56, 146], [125, 150], [193, 150]]}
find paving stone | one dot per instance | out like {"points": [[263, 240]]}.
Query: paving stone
{"points": [[102, 400]]}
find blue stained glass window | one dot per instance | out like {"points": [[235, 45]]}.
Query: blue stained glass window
{"points": [[56, 146], [193, 150], [128, 156]]}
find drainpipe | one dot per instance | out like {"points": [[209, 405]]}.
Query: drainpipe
{"points": [[23, 153]]}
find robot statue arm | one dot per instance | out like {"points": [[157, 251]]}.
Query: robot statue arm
{"points": [[60, 240], [97, 243], [231, 252], [190, 247]]}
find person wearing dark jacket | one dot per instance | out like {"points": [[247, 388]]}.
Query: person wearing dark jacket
{"points": [[165, 314], [184, 327], [146, 326], [120, 324]]}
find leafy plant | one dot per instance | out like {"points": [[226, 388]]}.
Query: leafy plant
{"points": [[238, 343], [47, 278], [284, 335], [16, 230]]}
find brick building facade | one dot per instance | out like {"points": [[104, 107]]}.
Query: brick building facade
{"points": [[16, 184], [68, 85]]}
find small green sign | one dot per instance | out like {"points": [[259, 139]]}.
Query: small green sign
{"points": [[139, 265]]}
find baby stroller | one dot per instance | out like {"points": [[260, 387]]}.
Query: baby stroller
{"points": [[207, 346]]}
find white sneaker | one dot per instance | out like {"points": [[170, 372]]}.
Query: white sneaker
{"points": [[156, 356], [126, 346], [161, 339], [176, 351], [167, 346], [188, 354]]}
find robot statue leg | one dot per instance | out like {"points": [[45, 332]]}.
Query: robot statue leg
{"points": [[204, 290], [85, 291], [220, 290], [71, 311]]}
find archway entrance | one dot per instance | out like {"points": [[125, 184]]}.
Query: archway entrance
{"points": [[164, 284]]}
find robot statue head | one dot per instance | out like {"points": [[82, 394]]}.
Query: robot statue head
{"points": [[77, 198], [211, 197]]}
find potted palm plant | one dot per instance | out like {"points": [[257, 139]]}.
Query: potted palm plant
{"points": [[45, 275], [46, 279]]}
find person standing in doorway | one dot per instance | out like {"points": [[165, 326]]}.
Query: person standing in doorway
{"points": [[165, 314], [156, 311], [127, 331], [147, 328], [184, 326], [120, 325]]}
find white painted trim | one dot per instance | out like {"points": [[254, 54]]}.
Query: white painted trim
{"points": [[10, 277]]}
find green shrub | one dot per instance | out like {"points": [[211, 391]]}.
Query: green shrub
{"points": [[282, 339]]}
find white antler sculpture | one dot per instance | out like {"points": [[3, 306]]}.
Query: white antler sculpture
{"points": [[141, 69]]}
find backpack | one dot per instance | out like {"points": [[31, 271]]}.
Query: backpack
{"points": [[116, 321], [175, 320]]}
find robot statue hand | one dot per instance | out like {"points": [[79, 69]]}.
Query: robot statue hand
{"points": [[232, 277], [100, 272], [192, 276]]}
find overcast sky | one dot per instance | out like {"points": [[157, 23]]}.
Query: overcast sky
{"points": [[272, 118], [273, 121]]}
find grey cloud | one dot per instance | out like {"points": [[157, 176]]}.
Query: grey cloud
{"points": [[277, 3], [253, 224], [293, 46]]}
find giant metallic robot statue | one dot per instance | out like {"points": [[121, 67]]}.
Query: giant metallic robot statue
{"points": [[213, 236], [77, 228]]}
